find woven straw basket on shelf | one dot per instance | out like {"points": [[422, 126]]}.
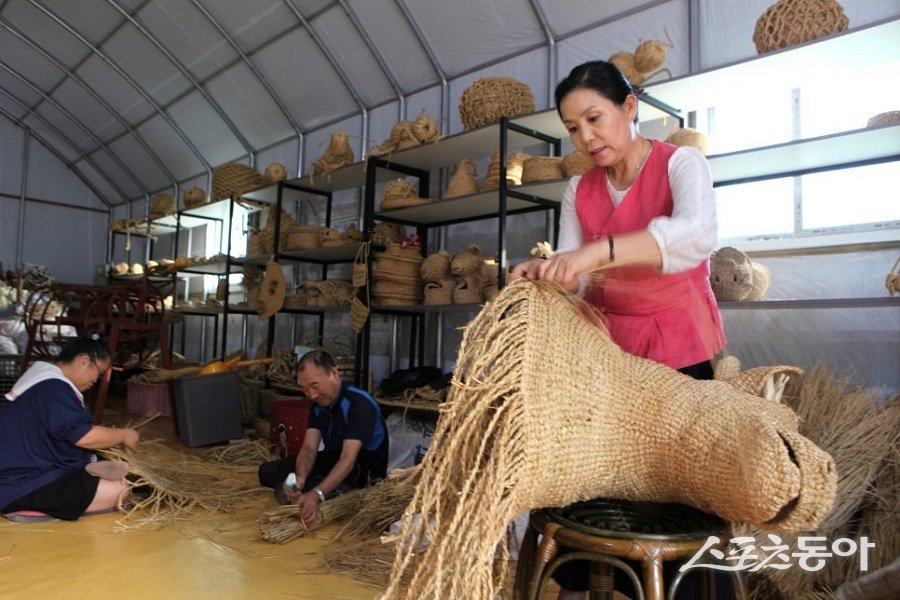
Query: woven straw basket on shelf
{"points": [[576, 163], [162, 205], [891, 116], [403, 262], [303, 237], [514, 164], [542, 168], [463, 182], [233, 179], [193, 197], [489, 99], [790, 22], [400, 194]]}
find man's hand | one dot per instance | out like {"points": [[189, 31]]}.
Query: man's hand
{"points": [[309, 508], [293, 493]]}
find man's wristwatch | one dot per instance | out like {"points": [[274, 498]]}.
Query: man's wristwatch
{"points": [[319, 493]]}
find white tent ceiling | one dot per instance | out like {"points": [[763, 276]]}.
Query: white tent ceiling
{"points": [[140, 95]]}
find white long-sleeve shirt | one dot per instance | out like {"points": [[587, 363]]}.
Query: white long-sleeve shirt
{"points": [[686, 238]]}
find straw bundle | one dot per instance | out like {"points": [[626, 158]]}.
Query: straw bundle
{"points": [[540, 168], [177, 487], [233, 179], [489, 99], [685, 136], [381, 505], [863, 436], [463, 181], [497, 451], [576, 163], [790, 22], [367, 560], [282, 525]]}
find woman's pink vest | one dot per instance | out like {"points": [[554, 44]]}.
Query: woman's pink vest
{"points": [[672, 319]]}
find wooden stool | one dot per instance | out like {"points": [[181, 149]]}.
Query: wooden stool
{"points": [[604, 532]]}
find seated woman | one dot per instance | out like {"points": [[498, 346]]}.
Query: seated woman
{"points": [[47, 437]]}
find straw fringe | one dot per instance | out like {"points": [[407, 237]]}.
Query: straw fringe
{"points": [[498, 451]]}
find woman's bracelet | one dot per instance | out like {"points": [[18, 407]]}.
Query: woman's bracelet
{"points": [[612, 248]]}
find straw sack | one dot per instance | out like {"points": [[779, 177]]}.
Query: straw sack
{"points": [[162, 205], [576, 163], [685, 136], [233, 179], [489, 99], [463, 181], [790, 22], [193, 197], [546, 410], [734, 276], [541, 168], [891, 116]]}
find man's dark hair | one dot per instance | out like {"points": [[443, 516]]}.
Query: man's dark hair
{"points": [[319, 358]]}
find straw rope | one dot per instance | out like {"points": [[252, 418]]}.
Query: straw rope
{"points": [[648, 433]]}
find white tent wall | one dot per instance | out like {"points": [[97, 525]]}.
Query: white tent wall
{"points": [[462, 38]]}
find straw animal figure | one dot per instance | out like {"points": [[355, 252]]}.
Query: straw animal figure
{"points": [[177, 488], [406, 134], [438, 278], [646, 61], [466, 266], [338, 154], [648, 433], [273, 173]]}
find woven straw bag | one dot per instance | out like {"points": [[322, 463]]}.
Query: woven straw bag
{"points": [[463, 181], [489, 99], [576, 163], [541, 168], [790, 22], [233, 179], [534, 369]]}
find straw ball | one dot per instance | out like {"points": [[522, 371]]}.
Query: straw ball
{"points": [[734, 277], [790, 22], [385, 234], [489, 99], [193, 197], [685, 136]]}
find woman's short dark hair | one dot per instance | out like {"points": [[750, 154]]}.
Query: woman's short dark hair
{"points": [[600, 76], [92, 346], [319, 358]]}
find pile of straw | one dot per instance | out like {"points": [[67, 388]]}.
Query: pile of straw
{"points": [[176, 488], [517, 433], [245, 457], [863, 436]]}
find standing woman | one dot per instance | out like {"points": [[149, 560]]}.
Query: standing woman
{"points": [[635, 235], [47, 437]]}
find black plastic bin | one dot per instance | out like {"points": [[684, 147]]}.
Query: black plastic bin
{"points": [[208, 408]]}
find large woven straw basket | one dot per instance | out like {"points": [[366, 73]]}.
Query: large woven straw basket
{"points": [[645, 433], [399, 261], [790, 22], [576, 163], [391, 293], [303, 237], [233, 179], [542, 168], [193, 197], [489, 99]]}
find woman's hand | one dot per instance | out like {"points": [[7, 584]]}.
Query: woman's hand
{"points": [[130, 438], [563, 268]]}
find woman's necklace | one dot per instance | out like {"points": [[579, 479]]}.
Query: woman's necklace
{"points": [[609, 173]]}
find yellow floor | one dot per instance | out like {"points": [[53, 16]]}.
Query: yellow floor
{"points": [[208, 556]]}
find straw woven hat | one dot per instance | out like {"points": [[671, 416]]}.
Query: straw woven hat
{"points": [[790, 22]]}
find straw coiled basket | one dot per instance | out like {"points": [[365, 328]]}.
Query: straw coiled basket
{"points": [[233, 179], [542, 168], [489, 99], [790, 22]]}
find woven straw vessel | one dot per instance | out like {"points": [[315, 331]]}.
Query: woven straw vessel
{"points": [[647, 433], [790, 22], [514, 164], [489, 99], [576, 163], [541, 168], [463, 181], [233, 179], [399, 194], [162, 205], [193, 197]]}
